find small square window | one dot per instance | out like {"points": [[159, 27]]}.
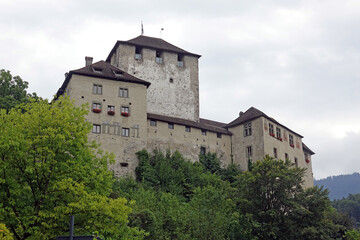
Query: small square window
{"points": [[203, 150], [296, 162], [123, 92], [111, 110], [125, 111], [124, 164], [125, 132], [170, 125], [218, 135], [97, 89], [286, 156], [96, 107], [203, 132], [187, 129], [96, 128], [153, 123]]}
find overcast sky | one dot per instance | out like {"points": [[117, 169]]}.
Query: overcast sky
{"points": [[297, 61]]}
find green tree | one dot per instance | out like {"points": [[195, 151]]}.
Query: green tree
{"points": [[352, 235], [350, 206], [49, 171], [272, 197], [12, 90], [5, 234]]}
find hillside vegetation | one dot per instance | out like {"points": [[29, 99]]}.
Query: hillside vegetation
{"points": [[340, 186]]}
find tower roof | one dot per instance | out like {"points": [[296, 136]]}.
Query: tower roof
{"points": [[151, 42], [103, 70]]}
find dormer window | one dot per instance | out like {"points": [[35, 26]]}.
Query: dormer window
{"points": [[138, 53], [118, 73], [158, 58], [97, 69], [180, 59]]}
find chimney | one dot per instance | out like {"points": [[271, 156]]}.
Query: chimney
{"points": [[241, 113], [88, 61]]}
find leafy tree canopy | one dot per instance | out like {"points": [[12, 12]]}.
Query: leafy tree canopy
{"points": [[13, 90], [49, 171]]}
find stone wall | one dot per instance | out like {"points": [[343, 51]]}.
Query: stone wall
{"points": [[174, 90], [188, 143]]}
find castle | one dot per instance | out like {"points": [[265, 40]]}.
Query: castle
{"points": [[146, 96]]}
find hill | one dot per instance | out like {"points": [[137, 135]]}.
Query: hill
{"points": [[340, 186]]}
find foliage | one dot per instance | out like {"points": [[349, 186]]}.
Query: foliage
{"points": [[271, 195], [50, 171], [12, 90], [210, 162], [350, 206], [5, 234], [352, 235]]}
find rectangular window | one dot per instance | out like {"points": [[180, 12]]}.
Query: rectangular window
{"points": [[278, 133], [286, 156], [218, 135], [187, 129], [111, 110], [291, 140], [96, 105], [180, 59], [97, 89], [249, 152], [124, 109], [202, 150], [138, 53], [203, 132], [158, 58], [96, 128], [170, 125], [296, 162], [271, 130], [275, 153], [247, 129], [125, 132], [152, 123], [123, 92]]}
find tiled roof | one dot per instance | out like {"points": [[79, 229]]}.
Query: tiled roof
{"points": [[151, 42], [103, 70], [253, 113], [203, 124], [307, 149]]}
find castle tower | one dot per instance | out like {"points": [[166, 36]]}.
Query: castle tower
{"points": [[172, 72]]}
